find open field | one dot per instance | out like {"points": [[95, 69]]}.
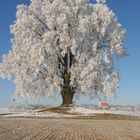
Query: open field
{"points": [[18, 128]]}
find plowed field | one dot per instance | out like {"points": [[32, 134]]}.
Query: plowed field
{"points": [[68, 129]]}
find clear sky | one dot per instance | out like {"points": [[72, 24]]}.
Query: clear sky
{"points": [[128, 13]]}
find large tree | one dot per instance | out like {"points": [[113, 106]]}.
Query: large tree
{"points": [[66, 47]]}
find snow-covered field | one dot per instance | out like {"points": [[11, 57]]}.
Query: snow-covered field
{"points": [[72, 112], [7, 111], [87, 111], [75, 125], [4, 111]]}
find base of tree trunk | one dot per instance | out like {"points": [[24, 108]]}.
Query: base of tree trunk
{"points": [[67, 99], [67, 105]]}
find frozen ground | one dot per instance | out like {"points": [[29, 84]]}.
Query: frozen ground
{"points": [[82, 110], [72, 112], [79, 123], [5, 111], [68, 129]]}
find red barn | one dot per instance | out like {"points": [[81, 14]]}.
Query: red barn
{"points": [[103, 105]]}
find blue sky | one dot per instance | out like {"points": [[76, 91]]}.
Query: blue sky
{"points": [[128, 15]]}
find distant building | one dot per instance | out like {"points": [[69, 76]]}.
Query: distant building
{"points": [[103, 105]]}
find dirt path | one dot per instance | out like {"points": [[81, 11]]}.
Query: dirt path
{"points": [[68, 129]]}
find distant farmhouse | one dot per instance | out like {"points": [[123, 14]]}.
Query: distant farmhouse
{"points": [[103, 105]]}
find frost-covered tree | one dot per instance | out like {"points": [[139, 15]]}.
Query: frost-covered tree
{"points": [[66, 47]]}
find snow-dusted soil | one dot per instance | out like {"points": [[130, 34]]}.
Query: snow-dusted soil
{"points": [[78, 124], [68, 129], [39, 115], [73, 112], [5, 111], [87, 111]]}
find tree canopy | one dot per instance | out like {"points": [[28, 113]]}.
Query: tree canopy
{"points": [[64, 44]]}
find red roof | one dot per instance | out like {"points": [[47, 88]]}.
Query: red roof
{"points": [[104, 104]]}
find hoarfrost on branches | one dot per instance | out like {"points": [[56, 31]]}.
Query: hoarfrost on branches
{"points": [[60, 44], [101, 1]]}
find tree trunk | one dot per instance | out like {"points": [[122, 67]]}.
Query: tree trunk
{"points": [[67, 96], [67, 92]]}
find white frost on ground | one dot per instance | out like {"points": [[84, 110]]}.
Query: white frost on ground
{"points": [[81, 110], [42, 114], [77, 111], [4, 111]]}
